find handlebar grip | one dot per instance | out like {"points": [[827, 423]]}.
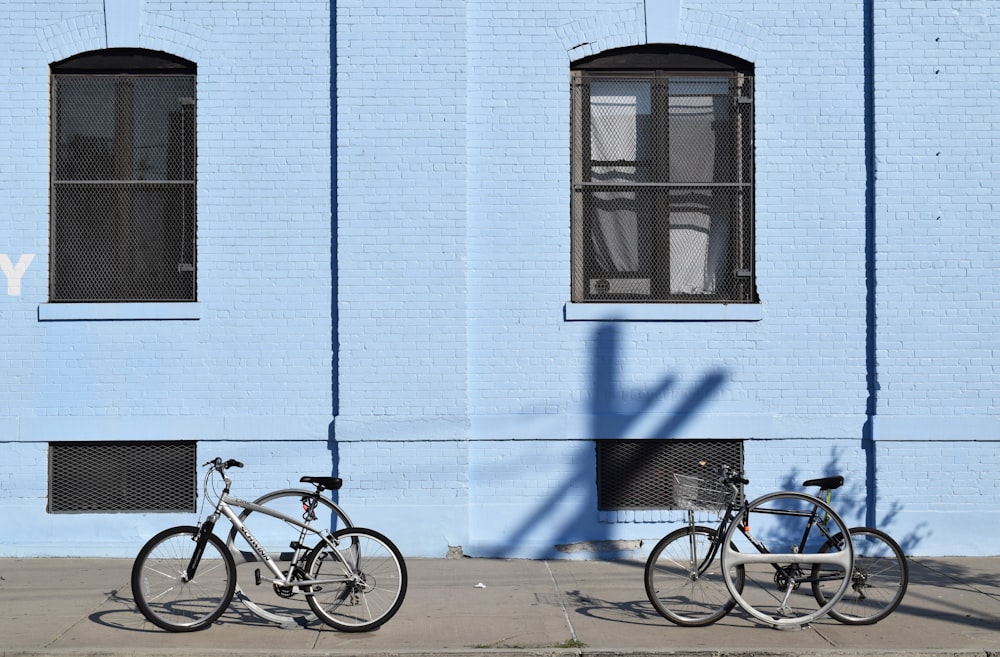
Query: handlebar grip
{"points": [[742, 480]]}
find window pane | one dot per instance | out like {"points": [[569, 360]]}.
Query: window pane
{"points": [[123, 243], [620, 114]]}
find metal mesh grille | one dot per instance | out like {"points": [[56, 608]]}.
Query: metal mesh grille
{"points": [[116, 477], [639, 474], [663, 190], [123, 188]]}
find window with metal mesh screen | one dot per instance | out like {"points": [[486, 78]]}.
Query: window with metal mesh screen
{"points": [[115, 477], [639, 474], [662, 181], [123, 179]]}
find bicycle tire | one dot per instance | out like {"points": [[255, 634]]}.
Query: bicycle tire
{"points": [[288, 604], [367, 581], [879, 581], [680, 586], [773, 577], [159, 587]]}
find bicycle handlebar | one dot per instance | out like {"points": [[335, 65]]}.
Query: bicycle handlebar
{"points": [[728, 475], [220, 465]]}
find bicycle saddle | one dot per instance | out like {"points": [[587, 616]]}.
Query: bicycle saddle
{"points": [[330, 483], [826, 483]]}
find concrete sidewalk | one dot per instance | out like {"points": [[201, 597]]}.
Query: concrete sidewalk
{"points": [[74, 606]]}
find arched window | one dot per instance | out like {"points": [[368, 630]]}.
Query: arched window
{"points": [[123, 178], [662, 177]]}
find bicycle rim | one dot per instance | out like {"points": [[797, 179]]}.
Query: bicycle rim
{"points": [[160, 591], [361, 582], [879, 580], [684, 580]]}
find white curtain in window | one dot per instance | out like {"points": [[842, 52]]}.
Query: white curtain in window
{"points": [[699, 226], [619, 133]]}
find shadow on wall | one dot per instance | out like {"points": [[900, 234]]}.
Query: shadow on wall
{"points": [[854, 508], [612, 418], [570, 512]]}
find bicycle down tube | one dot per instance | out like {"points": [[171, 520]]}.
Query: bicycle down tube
{"points": [[225, 507]]}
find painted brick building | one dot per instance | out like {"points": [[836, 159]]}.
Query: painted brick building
{"points": [[394, 279]]}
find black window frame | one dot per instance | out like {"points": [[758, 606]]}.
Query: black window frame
{"points": [[659, 65], [123, 179]]}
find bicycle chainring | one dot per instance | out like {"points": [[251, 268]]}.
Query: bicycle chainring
{"points": [[788, 574]]}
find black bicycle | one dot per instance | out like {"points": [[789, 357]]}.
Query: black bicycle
{"points": [[692, 580], [758, 557]]}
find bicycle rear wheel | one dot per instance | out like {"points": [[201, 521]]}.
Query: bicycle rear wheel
{"points": [[778, 540], [278, 603], [162, 591], [684, 579], [879, 579], [361, 582]]}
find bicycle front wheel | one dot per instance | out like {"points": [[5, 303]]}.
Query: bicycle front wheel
{"points": [[879, 579], [778, 540], [684, 578], [162, 590], [357, 585]]}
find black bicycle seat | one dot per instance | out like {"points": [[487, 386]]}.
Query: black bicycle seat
{"points": [[826, 483], [329, 483]]}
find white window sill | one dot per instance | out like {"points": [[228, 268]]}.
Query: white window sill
{"points": [[54, 312], [664, 312]]}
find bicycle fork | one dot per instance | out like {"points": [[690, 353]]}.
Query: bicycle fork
{"points": [[199, 548]]}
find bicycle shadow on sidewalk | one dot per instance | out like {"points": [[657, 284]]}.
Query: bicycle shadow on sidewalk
{"points": [[638, 612], [126, 616], [632, 612]]}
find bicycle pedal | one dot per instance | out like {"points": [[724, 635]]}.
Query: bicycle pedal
{"points": [[256, 576]]}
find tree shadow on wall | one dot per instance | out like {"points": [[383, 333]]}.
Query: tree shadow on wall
{"points": [[615, 412], [852, 507]]}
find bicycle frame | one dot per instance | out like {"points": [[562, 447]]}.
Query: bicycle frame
{"points": [[793, 558], [713, 552], [224, 507], [765, 555]]}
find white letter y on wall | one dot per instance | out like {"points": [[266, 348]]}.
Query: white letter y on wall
{"points": [[15, 272]]}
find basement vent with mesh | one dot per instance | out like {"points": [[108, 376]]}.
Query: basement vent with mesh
{"points": [[122, 477], [639, 474]]}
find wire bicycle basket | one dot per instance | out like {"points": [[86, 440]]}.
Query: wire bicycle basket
{"points": [[693, 493]]}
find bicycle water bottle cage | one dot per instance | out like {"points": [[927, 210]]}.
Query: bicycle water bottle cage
{"points": [[328, 483], [826, 483]]}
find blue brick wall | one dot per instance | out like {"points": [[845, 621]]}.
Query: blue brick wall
{"points": [[401, 216], [937, 244], [264, 171], [937, 230], [255, 366], [383, 238]]}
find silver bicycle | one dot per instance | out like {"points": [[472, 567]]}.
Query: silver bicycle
{"points": [[185, 577]]}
